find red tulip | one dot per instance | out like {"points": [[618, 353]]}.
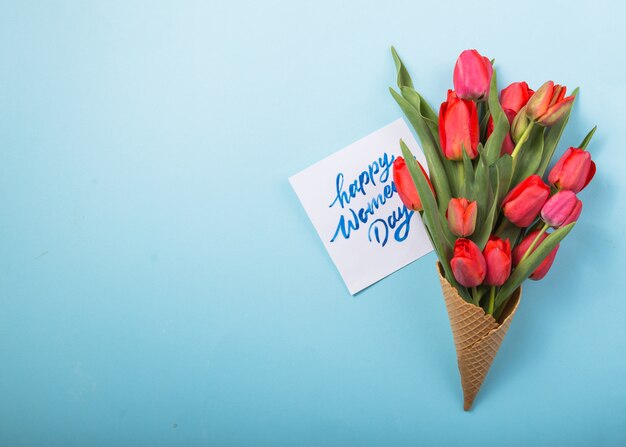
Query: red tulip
{"points": [[515, 96], [405, 186], [461, 215], [472, 75], [522, 248], [522, 205], [458, 127], [561, 209], [468, 263], [549, 104], [573, 171], [497, 255], [512, 99]]}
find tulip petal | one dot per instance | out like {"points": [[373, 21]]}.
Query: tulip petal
{"points": [[474, 130], [539, 102], [457, 124], [558, 208], [556, 112], [442, 132], [592, 172], [469, 218], [556, 171], [575, 214], [542, 270], [522, 205], [515, 96], [558, 89]]}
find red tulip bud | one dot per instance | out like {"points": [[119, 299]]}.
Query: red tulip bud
{"points": [[522, 205], [522, 248], [461, 215], [549, 104], [472, 75], [573, 171], [497, 255], [405, 186], [515, 96], [458, 127], [561, 209], [468, 263]]}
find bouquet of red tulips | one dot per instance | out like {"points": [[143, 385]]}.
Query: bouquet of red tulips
{"points": [[492, 218]]}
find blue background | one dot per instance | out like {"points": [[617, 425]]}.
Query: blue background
{"points": [[160, 284]]}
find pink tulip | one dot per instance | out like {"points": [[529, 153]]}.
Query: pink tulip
{"points": [[468, 263], [405, 186], [549, 104], [497, 255], [472, 75], [461, 215], [458, 127], [561, 209], [522, 205], [522, 248], [573, 171]]}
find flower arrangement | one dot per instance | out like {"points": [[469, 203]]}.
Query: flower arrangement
{"points": [[493, 220]]}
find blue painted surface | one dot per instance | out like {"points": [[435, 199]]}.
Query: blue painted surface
{"points": [[160, 284]]}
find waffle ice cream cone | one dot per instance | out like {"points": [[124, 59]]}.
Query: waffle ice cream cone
{"points": [[477, 336]]}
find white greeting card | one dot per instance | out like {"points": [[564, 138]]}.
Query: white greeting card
{"points": [[351, 199]]}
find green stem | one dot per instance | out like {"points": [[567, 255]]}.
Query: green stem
{"points": [[499, 310], [534, 243], [476, 296], [522, 139], [492, 300], [502, 226]]}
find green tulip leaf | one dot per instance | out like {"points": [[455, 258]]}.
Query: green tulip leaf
{"points": [[504, 171], [482, 186], [526, 267], [500, 124], [482, 233], [455, 173], [404, 79], [417, 101], [509, 231], [468, 181], [583, 145], [443, 247], [484, 122], [553, 135], [529, 159], [438, 175], [442, 244]]}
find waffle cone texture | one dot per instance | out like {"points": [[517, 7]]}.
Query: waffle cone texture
{"points": [[477, 336]]}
